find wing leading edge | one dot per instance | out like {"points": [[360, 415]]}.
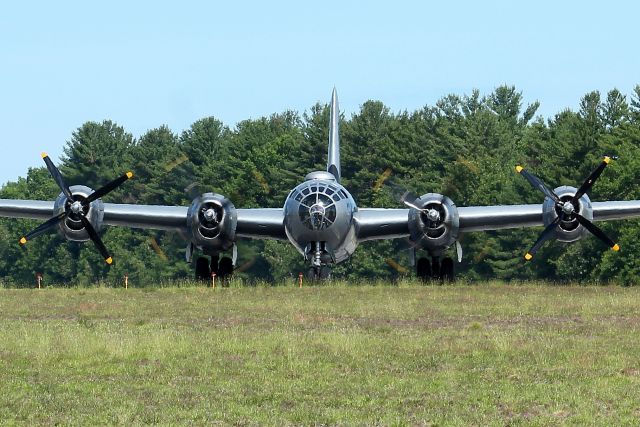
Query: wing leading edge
{"points": [[371, 223], [376, 224], [252, 223]]}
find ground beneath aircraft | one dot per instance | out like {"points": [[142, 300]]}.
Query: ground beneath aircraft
{"points": [[464, 355]]}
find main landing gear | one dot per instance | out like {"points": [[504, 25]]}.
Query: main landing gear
{"points": [[435, 269], [222, 267]]}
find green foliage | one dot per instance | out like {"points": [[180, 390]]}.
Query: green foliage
{"points": [[463, 146]]}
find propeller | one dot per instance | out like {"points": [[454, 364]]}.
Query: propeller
{"points": [[433, 215], [76, 208], [568, 210]]}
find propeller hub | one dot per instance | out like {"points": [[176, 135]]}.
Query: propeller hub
{"points": [[210, 215], [76, 207], [568, 208], [433, 215]]}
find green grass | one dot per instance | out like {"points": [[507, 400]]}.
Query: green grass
{"points": [[409, 355]]}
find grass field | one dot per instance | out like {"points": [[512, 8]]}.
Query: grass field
{"points": [[409, 355]]}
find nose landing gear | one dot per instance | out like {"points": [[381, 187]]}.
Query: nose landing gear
{"points": [[319, 255]]}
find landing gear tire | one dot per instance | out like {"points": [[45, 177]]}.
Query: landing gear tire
{"points": [[203, 272], [446, 270], [316, 274], [215, 261], [312, 274], [423, 269], [436, 268], [325, 273], [225, 270]]}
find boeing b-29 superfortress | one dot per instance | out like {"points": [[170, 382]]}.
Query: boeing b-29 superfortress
{"points": [[321, 219]]}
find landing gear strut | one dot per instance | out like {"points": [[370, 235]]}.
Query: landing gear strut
{"points": [[435, 269]]}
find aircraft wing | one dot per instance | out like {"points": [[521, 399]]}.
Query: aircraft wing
{"points": [[252, 223], [485, 218], [380, 223], [376, 224]]}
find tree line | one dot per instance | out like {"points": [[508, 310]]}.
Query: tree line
{"points": [[463, 146]]}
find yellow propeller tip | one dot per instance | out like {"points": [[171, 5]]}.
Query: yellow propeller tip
{"points": [[528, 256], [129, 175], [607, 159], [519, 168], [616, 247], [109, 260], [43, 154], [23, 241]]}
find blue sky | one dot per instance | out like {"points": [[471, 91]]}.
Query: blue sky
{"points": [[145, 64]]}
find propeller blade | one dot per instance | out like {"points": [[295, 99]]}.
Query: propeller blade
{"points": [[537, 183], [586, 186], [188, 254], [108, 188], [234, 256], [596, 231], [412, 257], [57, 176], [412, 205], [42, 228], [96, 239], [546, 235], [459, 251], [409, 199]]}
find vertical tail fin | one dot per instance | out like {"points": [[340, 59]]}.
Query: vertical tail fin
{"points": [[333, 160]]}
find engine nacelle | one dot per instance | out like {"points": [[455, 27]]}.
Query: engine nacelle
{"points": [[569, 230], [436, 225], [211, 221], [71, 227]]}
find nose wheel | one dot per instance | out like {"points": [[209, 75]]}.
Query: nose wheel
{"points": [[316, 274]]}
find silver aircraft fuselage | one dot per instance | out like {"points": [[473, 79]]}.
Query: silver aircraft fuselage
{"points": [[321, 210]]}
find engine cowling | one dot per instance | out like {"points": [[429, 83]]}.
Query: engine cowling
{"points": [[434, 223], [71, 227], [211, 221], [568, 230]]}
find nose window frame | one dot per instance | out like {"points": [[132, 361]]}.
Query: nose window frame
{"points": [[325, 195]]}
